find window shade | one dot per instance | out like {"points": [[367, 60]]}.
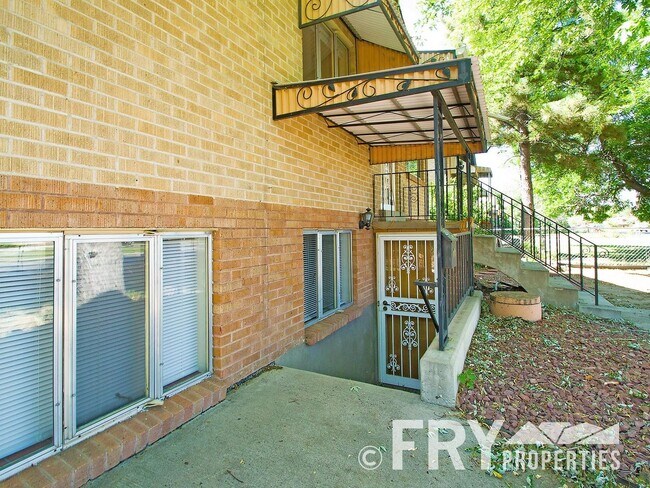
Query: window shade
{"points": [[184, 320], [310, 262], [329, 272], [26, 348], [345, 268], [111, 327]]}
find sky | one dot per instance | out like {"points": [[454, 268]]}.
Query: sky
{"points": [[501, 160]]}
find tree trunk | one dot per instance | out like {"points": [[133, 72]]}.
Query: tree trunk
{"points": [[624, 173], [525, 174], [525, 178]]}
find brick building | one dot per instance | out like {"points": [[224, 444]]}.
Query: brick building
{"points": [[176, 213]]}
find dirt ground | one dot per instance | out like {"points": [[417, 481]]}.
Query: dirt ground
{"points": [[624, 287]]}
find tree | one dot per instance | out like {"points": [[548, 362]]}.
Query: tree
{"points": [[566, 86]]}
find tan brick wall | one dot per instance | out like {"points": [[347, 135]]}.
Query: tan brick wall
{"points": [[167, 95], [257, 256]]}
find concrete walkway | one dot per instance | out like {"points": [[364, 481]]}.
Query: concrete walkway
{"points": [[290, 428]]}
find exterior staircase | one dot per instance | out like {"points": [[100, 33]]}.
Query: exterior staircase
{"points": [[545, 257], [532, 276]]}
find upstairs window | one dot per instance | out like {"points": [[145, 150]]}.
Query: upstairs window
{"points": [[325, 54], [327, 259]]}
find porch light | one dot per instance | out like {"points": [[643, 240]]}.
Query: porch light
{"points": [[365, 220]]}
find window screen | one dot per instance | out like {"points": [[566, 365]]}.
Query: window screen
{"points": [[26, 348], [325, 52], [345, 268], [342, 59], [329, 272]]}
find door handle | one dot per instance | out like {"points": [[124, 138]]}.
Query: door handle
{"points": [[385, 305]]}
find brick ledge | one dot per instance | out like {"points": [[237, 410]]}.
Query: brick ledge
{"points": [[87, 460], [326, 327]]}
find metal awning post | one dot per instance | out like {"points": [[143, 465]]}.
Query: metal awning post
{"points": [[459, 188], [440, 222], [471, 161]]}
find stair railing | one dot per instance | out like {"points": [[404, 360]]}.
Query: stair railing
{"points": [[536, 236]]}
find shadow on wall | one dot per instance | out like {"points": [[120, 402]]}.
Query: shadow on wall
{"points": [[351, 352]]}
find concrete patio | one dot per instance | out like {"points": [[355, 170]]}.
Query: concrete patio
{"points": [[294, 428]]}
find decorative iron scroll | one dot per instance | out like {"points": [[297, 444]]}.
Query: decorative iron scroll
{"points": [[408, 307], [392, 287], [409, 335], [392, 365], [318, 9], [366, 88], [408, 259], [436, 57]]}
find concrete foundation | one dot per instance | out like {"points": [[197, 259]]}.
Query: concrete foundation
{"points": [[439, 370], [350, 352]]}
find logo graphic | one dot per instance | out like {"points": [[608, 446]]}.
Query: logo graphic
{"points": [[565, 434], [370, 457]]}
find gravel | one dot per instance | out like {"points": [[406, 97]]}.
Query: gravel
{"points": [[568, 367]]}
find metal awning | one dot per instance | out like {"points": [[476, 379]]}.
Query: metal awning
{"points": [[371, 20], [392, 111]]}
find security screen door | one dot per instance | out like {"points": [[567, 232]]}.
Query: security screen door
{"points": [[405, 327]]}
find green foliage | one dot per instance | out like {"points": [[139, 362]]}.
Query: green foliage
{"points": [[571, 78], [467, 378]]}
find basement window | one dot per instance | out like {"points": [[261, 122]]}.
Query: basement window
{"points": [[130, 322], [327, 260]]}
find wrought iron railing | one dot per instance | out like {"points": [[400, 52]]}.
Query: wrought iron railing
{"points": [[536, 236], [409, 195]]}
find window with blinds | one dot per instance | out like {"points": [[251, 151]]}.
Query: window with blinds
{"points": [[111, 322], [327, 263], [184, 309], [136, 318], [27, 328], [345, 268], [310, 261]]}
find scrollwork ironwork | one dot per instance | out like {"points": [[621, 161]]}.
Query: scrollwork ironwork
{"points": [[408, 307], [361, 89], [318, 9], [409, 335]]}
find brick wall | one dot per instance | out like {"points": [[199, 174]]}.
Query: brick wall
{"points": [[257, 256], [119, 114], [167, 95], [123, 114]]}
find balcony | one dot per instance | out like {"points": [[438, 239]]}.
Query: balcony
{"points": [[407, 198]]}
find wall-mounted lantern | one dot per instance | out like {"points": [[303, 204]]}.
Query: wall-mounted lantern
{"points": [[365, 219]]}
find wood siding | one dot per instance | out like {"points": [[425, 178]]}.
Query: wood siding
{"points": [[372, 57]]}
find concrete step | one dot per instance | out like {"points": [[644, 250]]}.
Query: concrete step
{"points": [[533, 266], [561, 283], [507, 250], [533, 276]]}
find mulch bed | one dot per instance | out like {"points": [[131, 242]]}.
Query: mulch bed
{"points": [[568, 367]]}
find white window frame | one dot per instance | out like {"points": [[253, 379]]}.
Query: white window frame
{"points": [[72, 434], [337, 265], [57, 239], [159, 387]]}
